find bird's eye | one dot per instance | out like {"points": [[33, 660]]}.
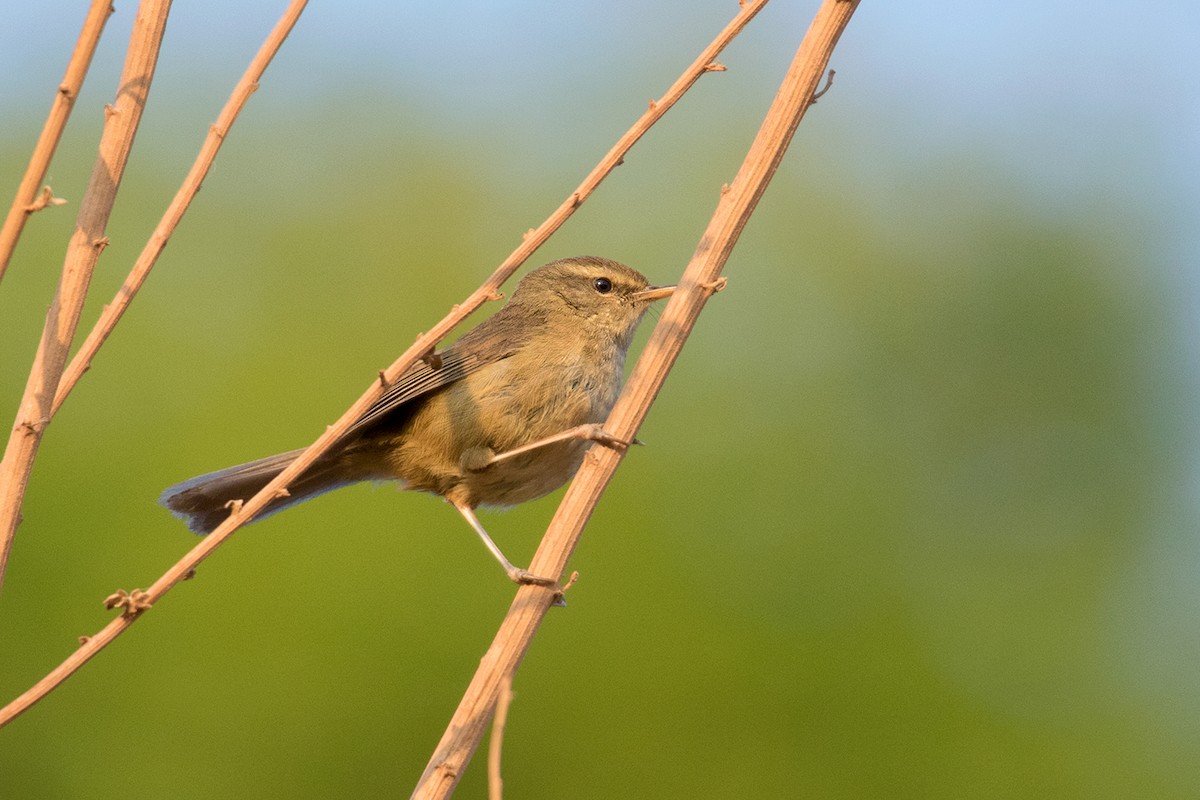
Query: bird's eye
{"points": [[603, 285]]}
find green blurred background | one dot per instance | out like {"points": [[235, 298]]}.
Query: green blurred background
{"points": [[917, 517]]}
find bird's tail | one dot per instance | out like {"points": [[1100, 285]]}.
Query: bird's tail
{"points": [[205, 501]]}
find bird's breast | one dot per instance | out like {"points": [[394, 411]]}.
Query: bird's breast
{"points": [[530, 397]]}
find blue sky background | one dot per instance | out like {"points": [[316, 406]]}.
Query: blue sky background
{"points": [[1068, 99]]}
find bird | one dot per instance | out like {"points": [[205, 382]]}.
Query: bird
{"points": [[502, 416]]}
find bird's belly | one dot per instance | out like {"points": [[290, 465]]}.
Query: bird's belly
{"points": [[492, 412], [527, 476]]}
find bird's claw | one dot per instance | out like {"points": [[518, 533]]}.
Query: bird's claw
{"points": [[524, 577]]}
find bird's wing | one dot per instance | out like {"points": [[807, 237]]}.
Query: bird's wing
{"points": [[492, 340]]}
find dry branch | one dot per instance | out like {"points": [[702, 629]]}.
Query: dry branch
{"points": [[30, 198], [420, 349], [699, 280], [179, 205], [83, 251], [139, 601]]}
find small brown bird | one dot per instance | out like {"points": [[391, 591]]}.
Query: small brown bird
{"points": [[503, 415]]}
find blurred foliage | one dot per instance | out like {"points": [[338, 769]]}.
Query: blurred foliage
{"points": [[911, 521]]}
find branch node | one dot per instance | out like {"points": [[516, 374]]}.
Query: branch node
{"points": [[653, 104], [84, 639], [433, 359], [560, 590], [100, 243], [817, 95], [191, 573], [570, 581], [235, 505], [724, 189], [34, 427], [496, 294], [282, 493], [383, 379], [525, 236], [715, 66], [45, 198], [712, 287], [131, 603], [109, 111]]}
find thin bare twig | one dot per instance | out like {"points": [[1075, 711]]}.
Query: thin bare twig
{"points": [[420, 349], [91, 645], [29, 197], [83, 251], [496, 743], [179, 205], [699, 281]]}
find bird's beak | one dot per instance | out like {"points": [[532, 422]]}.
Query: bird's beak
{"points": [[651, 293]]}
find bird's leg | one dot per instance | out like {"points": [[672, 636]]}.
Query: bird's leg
{"points": [[515, 574], [591, 431]]}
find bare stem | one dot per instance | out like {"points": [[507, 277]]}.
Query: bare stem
{"points": [[27, 199], [699, 280], [420, 349], [179, 205], [496, 745], [83, 251]]}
